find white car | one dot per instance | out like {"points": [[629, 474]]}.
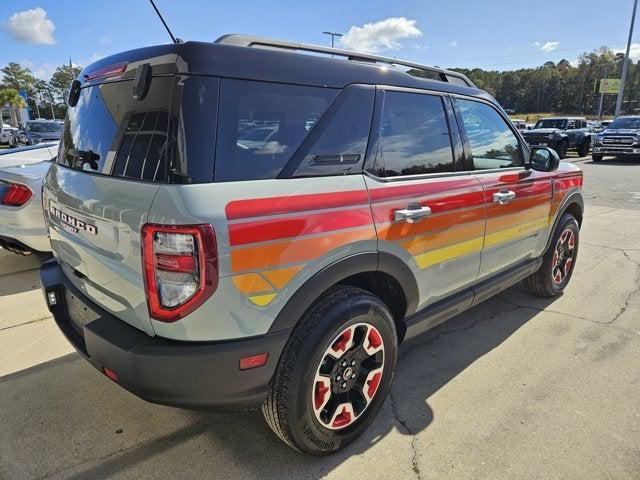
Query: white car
{"points": [[22, 228]]}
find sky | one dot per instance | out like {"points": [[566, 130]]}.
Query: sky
{"points": [[490, 34]]}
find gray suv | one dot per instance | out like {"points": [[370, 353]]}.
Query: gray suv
{"points": [[240, 225]]}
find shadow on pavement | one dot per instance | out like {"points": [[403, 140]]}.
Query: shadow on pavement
{"points": [[26, 281], [63, 419]]}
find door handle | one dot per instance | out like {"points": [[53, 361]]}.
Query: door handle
{"points": [[413, 213], [503, 196]]}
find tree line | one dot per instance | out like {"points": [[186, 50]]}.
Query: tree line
{"points": [[563, 87], [45, 99]]}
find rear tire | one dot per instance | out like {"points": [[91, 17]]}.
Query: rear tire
{"points": [[596, 157], [583, 149], [558, 261], [306, 407]]}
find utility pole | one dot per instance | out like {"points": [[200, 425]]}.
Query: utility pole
{"points": [[625, 65], [602, 95], [333, 37]]}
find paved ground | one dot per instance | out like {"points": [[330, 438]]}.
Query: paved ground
{"points": [[516, 388]]}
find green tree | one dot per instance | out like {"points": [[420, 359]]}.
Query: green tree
{"points": [[11, 97], [61, 80]]}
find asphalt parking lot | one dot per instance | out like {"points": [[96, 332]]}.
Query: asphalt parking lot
{"points": [[518, 387]]}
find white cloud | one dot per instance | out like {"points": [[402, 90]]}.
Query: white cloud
{"points": [[453, 43], [378, 36], [549, 47], [31, 26], [419, 47], [104, 41], [535, 44], [634, 53], [44, 71]]}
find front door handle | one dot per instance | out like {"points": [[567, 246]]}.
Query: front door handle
{"points": [[413, 213], [503, 196]]}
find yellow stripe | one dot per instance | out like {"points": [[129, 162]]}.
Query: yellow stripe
{"points": [[440, 255], [514, 232], [262, 300]]}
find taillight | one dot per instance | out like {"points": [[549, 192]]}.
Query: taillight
{"points": [[180, 265], [14, 194]]}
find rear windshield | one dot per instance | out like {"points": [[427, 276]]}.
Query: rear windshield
{"points": [[41, 127], [552, 123], [110, 133]]}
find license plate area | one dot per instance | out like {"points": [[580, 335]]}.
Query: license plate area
{"points": [[78, 313]]}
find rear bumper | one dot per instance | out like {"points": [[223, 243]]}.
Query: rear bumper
{"points": [[184, 374]]}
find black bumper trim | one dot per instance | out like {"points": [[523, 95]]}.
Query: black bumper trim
{"points": [[197, 375]]}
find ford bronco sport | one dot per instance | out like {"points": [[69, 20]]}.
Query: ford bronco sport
{"points": [[200, 269], [561, 134]]}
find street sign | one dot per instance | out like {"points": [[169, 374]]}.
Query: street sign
{"points": [[609, 86]]}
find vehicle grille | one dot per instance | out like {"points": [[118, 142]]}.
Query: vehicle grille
{"points": [[536, 139], [618, 140]]}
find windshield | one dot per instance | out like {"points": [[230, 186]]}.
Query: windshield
{"points": [[551, 123], [40, 127], [623, 123]]}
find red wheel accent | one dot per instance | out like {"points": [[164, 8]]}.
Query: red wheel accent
{"points": [[373, 384], [375, 340], [562, 260], [342, 419], [340, 345], [319, 395]]}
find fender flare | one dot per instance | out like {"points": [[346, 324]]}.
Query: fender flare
{"points": [[573, 197], [363, 262]]}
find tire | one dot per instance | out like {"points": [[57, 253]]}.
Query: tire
{"points": [[304, 406], [557, 262], [563, 146], [583, 148], [596, 157]]}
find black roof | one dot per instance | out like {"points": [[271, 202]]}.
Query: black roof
{"points": [[274, 65]]}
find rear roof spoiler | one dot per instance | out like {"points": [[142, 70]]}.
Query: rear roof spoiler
{"points": [[250, 41]]}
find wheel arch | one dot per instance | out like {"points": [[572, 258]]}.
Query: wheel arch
{"points": [[383, 274], [573, 203]]}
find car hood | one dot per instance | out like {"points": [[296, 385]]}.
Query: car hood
{"points": [[543, 131], [28, 172], [620, 131]]}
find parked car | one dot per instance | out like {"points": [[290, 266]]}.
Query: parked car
{"points": [[198, 273], [39, 131], [561, 134], [22, 228], [519, 123], [621, 139], [8, 135]]}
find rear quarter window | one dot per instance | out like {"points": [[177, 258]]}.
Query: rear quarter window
{"points": [[261, 125]]}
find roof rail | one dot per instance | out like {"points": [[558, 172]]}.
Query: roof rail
{"points": [[250, 41]]}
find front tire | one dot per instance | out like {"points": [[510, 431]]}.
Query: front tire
{"points": [[583, 149], [334, 373], [563, 146], [596, 157], [558, 261]]}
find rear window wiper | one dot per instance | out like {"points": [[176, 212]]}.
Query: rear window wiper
{"points": [[80, 157]]}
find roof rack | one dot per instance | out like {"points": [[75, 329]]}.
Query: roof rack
{"points": [[250, 41]]}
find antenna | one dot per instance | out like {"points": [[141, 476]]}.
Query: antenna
{"points": [[173, 39]]}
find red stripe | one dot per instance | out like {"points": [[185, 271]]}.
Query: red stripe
{"points": [[264, 230], [384, 213], [421, 189], [293, 203]]}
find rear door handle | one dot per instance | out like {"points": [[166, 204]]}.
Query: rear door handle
{"points": [[503, 196], [413, 213]]}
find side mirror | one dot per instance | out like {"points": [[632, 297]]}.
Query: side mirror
{"points": [[544, 159]]}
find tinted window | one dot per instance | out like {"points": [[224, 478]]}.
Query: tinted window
{"points": [[493, 144], [338, 144], [552, 123], [290, 111], [624, 122], [414, 136]]}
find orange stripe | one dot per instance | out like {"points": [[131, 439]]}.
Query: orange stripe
{"points": [[400, 230], [517, 205], [280, 277], [251, 283], [254, 258], [516, 218], [444, 238]]}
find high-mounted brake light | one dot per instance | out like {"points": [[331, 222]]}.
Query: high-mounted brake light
{"points": [[14, 194], [180, 264], [114, 70]]}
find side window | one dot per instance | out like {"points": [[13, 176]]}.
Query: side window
{"points": [[261, 125], [414, 136], [571, 125], [493, 144], [338, 143]]}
